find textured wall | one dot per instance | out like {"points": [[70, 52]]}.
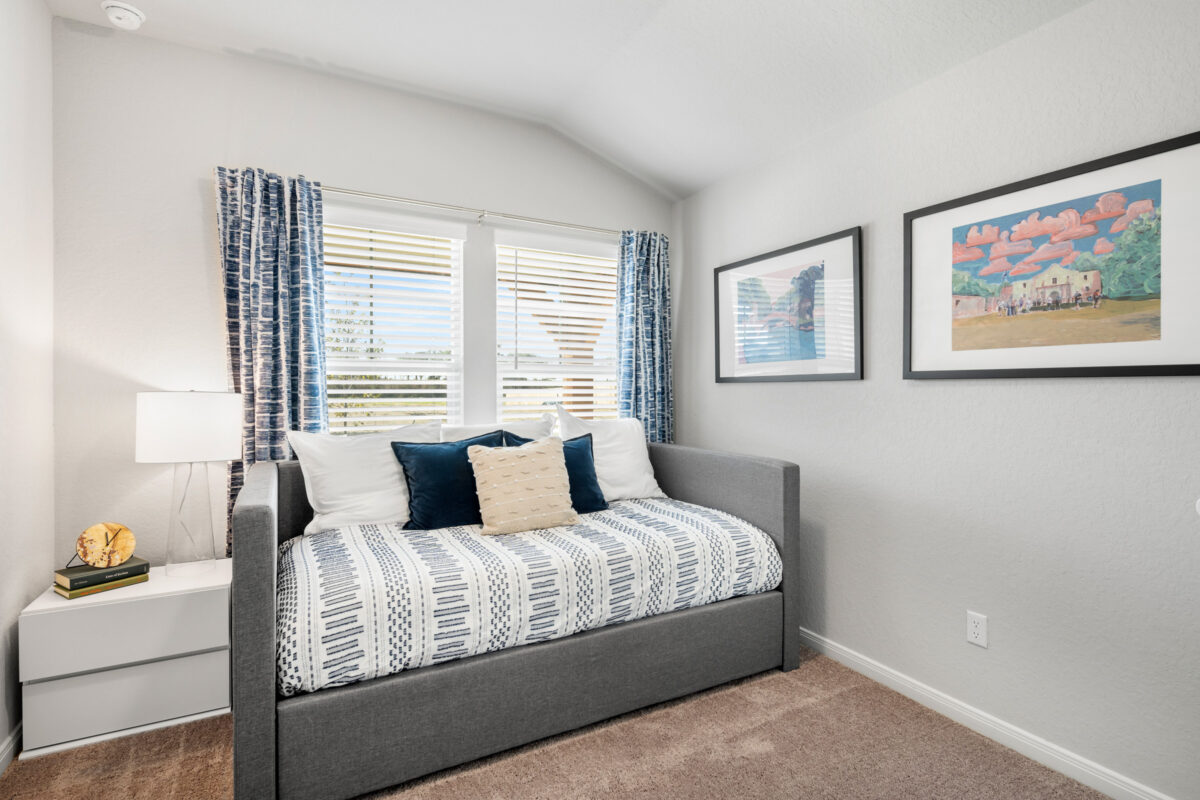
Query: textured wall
{"points": [[139, 126], [26, 327], [916, 507]]}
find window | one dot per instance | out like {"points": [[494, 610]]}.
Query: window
{"points": [[556, 333], [393, 328], [417, 304]]}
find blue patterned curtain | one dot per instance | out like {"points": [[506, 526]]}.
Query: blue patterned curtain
{"points": [[271, 259], [644, 333]]}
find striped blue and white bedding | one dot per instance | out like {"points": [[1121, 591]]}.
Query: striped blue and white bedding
{"points": [[368, 600]]}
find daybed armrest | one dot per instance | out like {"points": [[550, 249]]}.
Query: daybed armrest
{"points": [[763, 491], [255, 562]]}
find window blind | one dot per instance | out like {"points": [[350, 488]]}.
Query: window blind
{"points": [[556, 333], [393, 328]]}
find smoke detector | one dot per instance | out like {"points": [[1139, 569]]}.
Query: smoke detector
{"points": [[123, 15]]}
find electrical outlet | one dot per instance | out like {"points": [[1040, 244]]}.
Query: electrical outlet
{"points": [[977, 629]]}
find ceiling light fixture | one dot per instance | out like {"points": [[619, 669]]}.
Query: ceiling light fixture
{"points": [[123, 15]]}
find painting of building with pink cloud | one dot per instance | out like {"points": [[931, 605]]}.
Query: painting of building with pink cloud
{"points": [[1083, 271]]}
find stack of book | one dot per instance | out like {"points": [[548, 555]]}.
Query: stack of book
{"points": [[74, 582]]}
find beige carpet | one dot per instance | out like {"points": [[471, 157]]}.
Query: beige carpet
{"points": [[822, 731]]}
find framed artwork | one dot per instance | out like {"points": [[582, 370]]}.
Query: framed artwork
{"points": [[793, 314], [1093, 270]]}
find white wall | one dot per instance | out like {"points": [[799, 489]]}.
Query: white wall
{"points": [[915, 504], [139, 126], [26, 329]]}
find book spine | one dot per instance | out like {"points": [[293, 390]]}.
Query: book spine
{"points": [[103, 587], [71, 583]]}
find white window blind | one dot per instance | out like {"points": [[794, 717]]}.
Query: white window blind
{"points": [[393, 328], [556, 333]]}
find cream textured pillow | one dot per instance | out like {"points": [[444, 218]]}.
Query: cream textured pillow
{"points": [[522, 488]]}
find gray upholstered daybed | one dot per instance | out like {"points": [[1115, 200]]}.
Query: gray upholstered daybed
{"points": [[345, 741]]}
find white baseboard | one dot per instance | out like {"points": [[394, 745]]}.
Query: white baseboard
{"points": [[8, 748], [1073, 765]]}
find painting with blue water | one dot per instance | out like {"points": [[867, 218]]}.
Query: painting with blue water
{"points": [[779, 315]]}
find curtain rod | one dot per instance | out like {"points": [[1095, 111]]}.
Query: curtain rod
{"points": [[479, 212]]}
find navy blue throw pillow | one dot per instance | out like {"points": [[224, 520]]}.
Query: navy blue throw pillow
{"points": [[586, 495], [441, 482]]}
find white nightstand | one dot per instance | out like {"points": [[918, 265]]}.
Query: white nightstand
{"points": [[126, 658]]}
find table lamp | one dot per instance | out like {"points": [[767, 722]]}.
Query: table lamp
{"points": [[189, 429]]}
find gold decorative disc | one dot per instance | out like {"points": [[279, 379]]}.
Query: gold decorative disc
{"points": [[105, 544]]}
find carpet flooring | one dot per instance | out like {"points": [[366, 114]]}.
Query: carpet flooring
{"points": [[821, 731]]}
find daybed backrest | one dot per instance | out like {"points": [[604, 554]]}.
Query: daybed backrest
{"points": [[294, 510]]}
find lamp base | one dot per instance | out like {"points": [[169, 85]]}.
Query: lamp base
{"points": [[190, 535]]}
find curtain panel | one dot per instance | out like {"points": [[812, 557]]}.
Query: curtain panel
{"points": [[271, 249], [644, 333]]}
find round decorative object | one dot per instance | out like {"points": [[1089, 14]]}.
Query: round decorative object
{"points": [[105, 544]]}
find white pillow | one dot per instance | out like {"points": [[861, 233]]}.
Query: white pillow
{"points": [[619, 449], [355, 479], [527, 429]]}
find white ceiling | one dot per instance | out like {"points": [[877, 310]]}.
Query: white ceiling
{"points": [[678, 92]]}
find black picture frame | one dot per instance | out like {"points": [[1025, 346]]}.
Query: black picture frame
{"points": [[1179, 147], [853, 237]]}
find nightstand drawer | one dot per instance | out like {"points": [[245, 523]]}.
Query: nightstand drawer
{"points": [[111, 700], [86, 637]]}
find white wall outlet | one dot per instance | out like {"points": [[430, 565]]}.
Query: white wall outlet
{"points": [[977, 629]]}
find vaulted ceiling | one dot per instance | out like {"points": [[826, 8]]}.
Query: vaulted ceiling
{"points": [[677, 92]]}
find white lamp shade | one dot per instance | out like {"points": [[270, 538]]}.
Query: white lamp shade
{"points": [[175, 427]]}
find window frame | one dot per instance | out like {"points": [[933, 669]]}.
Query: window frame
{"points": [[480, 376]]}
